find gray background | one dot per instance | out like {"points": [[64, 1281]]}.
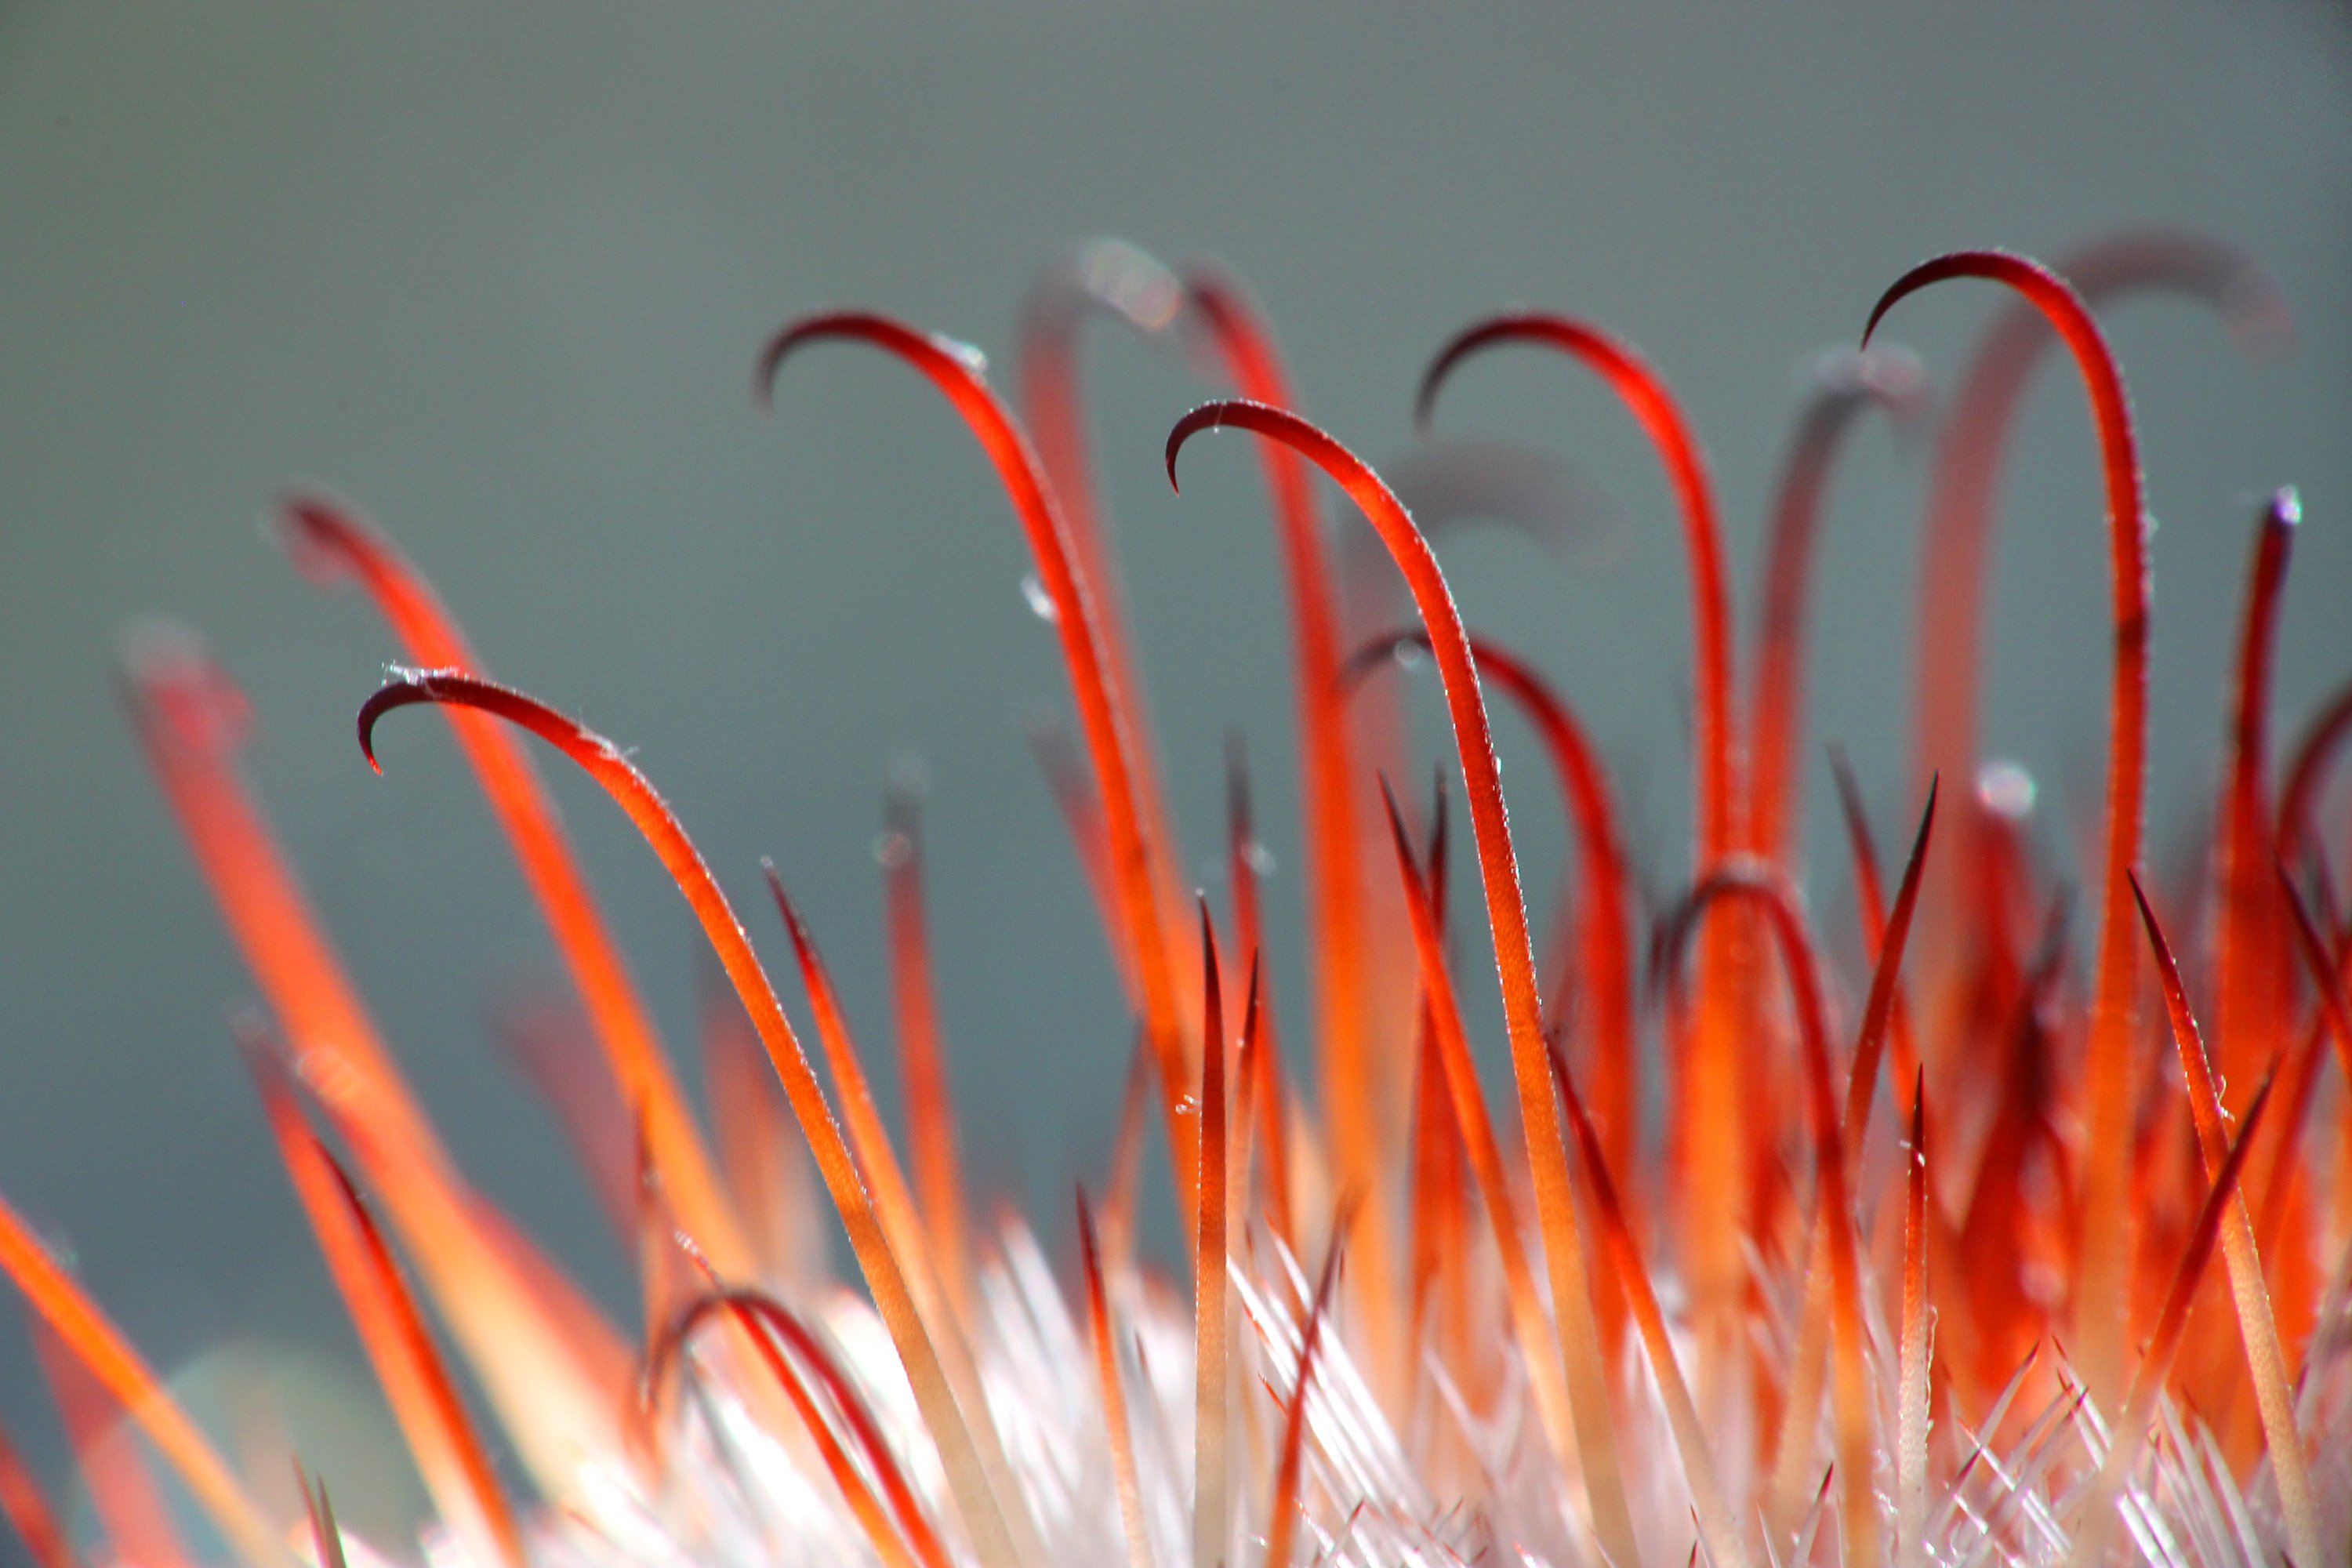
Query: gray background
{"points": [[498, 276]]}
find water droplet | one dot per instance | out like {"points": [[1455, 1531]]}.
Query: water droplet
{"points": [[1261, 859], [1188, 1105], [1409, 655], [1838, 369], [1131, 283], [906, 777], [1041, 603], [964, 353], [893, 849], [329, 1074], [2006, 790], [61, 1249]]}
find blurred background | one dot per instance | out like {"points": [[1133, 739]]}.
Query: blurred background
{"points": [[497, 276]]}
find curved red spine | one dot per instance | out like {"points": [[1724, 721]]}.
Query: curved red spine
{"points": [[604, 762], [1955, 549], [1359, 1108], [1714, 1137], [325, 538], [1138, 844], [2107, 1219], [1498, 866], [1645, 396]]}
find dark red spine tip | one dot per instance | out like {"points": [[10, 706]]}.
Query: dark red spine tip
{"points": [[1208, 416]]}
